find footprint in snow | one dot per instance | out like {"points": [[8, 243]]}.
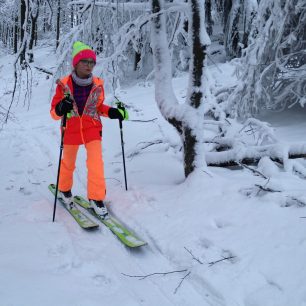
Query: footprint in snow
{"points": [[218, 223], [206, 243], [100, 280], [58, 250], [24, 191], [117, 170]]}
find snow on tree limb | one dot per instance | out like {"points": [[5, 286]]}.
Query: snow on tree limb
{"points": [[275, 58]]}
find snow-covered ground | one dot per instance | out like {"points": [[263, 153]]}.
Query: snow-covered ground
{"points": [[230, 243]]}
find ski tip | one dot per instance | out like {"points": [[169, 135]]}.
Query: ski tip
{"points": [[138, 245]]}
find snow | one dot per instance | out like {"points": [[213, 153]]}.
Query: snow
{"points": [[188, 224]]}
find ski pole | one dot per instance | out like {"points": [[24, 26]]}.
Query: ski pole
{"points": [[123, 157], [59, 162], [120, 104]]}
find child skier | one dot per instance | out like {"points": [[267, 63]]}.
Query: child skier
{"points": [[81, 96]]}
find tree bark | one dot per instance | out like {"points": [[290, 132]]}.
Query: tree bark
{"points": [[58, 18], [34, 18], [195, 92], [22, 30], [182, 117], [15, 43], [208, 17], [137, 58]]}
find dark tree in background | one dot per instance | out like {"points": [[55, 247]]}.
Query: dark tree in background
{"points": [[33, 34], [23, 23]]}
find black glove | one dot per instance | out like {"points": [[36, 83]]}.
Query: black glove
{"points": [[64, 106], [118, 113]]}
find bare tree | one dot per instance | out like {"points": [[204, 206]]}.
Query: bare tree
{"points": [[58, 19], [24, 5], [33, 16]]}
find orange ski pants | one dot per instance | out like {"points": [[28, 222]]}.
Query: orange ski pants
{"points": [[95, 169]]}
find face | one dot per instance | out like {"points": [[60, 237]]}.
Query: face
{"points": [[84, 67]]}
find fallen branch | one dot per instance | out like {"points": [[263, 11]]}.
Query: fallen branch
{"points": [[299, 202], [299, 169], [179, 285], [141, 277], [44, 70], [267, 189], [224, 258], [112, 178], [144, 145], [193, 257], [252, 155], [253, 170], [151, 120]]}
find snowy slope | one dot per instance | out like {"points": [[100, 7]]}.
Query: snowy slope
{"points": [[187, 224]]}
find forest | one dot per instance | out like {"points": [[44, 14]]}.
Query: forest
{"points": [[205, 180]]}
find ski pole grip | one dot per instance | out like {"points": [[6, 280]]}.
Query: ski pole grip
{"points": [[64, 120], [68, 115]]}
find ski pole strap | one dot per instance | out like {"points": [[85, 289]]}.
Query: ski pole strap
{"points": [[120, 104]]}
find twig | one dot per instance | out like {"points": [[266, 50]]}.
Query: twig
{"points": [[253, 170], [214, 63], [193, 257], [148, 144], [209, 174], [141, 277], [179, 285], [267, 189], [144, 146], [224, 258], [151, 120], [44, 70], [299, 202], [112, 178]]}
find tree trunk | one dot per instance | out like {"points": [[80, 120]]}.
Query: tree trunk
{"points": [[58, 18], [185, 118], [35, 34], [15, 44], [71, 16], [23, 8], [137, 58], [45, 18], [208, 17], [34, 18], [196, 86]]}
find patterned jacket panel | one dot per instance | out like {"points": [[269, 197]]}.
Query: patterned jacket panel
{"points": [[88, 127]]}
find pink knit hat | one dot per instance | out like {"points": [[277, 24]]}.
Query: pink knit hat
{"points": [[81, 51]]}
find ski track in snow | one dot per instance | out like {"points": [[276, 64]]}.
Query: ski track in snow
{"points": [[188, 225]]}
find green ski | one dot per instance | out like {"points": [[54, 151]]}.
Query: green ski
{"points": [[84, 221], [123, 234]]}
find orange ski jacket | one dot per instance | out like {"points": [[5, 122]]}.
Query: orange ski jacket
{"points": [[87, 127]]}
